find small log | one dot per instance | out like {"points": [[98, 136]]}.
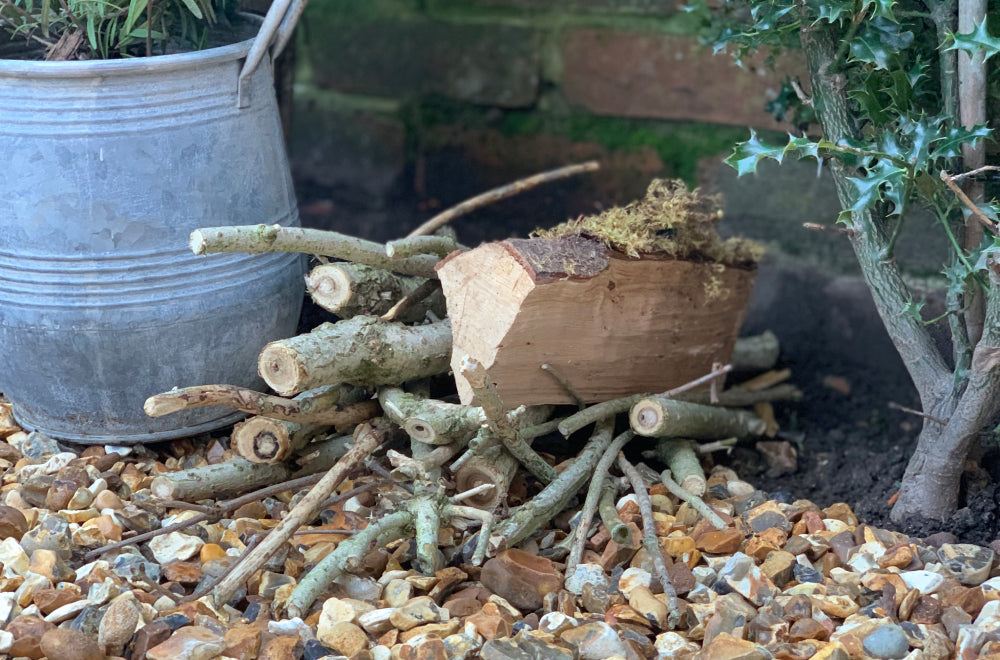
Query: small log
{"points": [[658, 416], [256, 239], [332, 405], [367, 439], [680, 457], [362, 351], [756, 353], [347, 290], [638, 325], [265, 440], [428, 420], [606, 508], [495, 467], [217, 480]]}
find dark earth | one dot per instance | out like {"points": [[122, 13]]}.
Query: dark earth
{"points": [[852, 447]]}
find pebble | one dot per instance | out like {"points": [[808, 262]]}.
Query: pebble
{"points": [[118, 623], [190, 643], [595, 641], [586, 574], [68, 644], [886, 641], [521, 578]]}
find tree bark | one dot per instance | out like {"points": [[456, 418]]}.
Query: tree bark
{"points": [[658, 416]]}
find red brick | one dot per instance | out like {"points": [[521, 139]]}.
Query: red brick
{"points": [[636, 74]]}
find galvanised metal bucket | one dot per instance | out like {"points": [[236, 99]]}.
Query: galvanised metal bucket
{"points": [[107, 167]]}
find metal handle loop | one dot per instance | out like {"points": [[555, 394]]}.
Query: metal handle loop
{"points": [[274, 34]]}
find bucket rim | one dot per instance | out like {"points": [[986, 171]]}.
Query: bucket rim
{"points": [[10, 68]]}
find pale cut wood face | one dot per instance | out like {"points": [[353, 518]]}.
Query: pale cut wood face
{"points": [[634, 326]]}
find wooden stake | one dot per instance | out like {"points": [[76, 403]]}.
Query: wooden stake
{"points": [[659, 416], [367, 439], [362, 351], [256, 239]]}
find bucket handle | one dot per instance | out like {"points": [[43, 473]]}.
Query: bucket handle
{"points": [[273, 36]]}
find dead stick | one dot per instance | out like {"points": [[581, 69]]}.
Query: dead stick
{"points": [[737, 397], [976, 212], [606, 508], [255, 239], [604, 409], [386, 529], [503, 192], [331, 405], [593, 498], [975, 172], [649, 539], [367, 439], [402, 248], [696, 502], [895, 406], [400, 310], [479, 380], [565, 385]]}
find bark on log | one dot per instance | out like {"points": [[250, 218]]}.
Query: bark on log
{"points": [[347, 290], [361, 351], [266, 440], [428, 420], [658, 416], [256, 239], [680, 457], [330, 405], [757, 353]]}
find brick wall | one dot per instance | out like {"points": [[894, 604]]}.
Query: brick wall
{"points": [[403, 106]]}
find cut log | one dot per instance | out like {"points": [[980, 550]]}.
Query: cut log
{"points": [[348, 290], [255, 239], [637, 325], [658, 416], [496, 467], [361, 351], [428, 420], [266, 440]]}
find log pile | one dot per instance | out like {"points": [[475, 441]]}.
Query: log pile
{"points": [[349, 389]]}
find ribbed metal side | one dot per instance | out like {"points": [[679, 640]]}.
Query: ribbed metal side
{"points": [[108, 167]]}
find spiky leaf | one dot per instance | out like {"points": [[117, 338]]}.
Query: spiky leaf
{"points": [[978, 41]]}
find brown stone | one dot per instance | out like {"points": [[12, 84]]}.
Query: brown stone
{"points": [[778, 566], [808, 629], [184, 572], [28, 632], [814, 522], [67, 644], [345, 638], [284, 647], [877, 582], [211, 551], [48, 600], [758, 548], [520, 578], [927, 611], [682, 578], [842, 512], [13, 524], [150, 635], [899, 556], [242, 643], [727, 647], [463, 606], [490, 623], [442, 630], [720, 542]]}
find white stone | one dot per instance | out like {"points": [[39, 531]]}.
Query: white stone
{"points": [[121, 450], [33, 582], [739, 488], [6, 641], [556, 622], [605, 644], [632, 578], [586, 574], [376, 622], [862, 562], [926, 581], [703, 575], [989, 617], [381, 653], [835, 526], [334, 611], [15, 561], [397, 592], [87, 569], [361, 588], [175, 547], [101, 592], [291, 627], [68, 611], [6, 608], [670, 645], [98, 486]]}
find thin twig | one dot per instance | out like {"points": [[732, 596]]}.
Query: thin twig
{"points": [[593, 498], [976, 212], [210, 584], [975, 172], [649, 539], [343, 532], [895, 406], [814, 226], [696, 502], [565, 384], [497, 194], [411, 299], [472, 492]]}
